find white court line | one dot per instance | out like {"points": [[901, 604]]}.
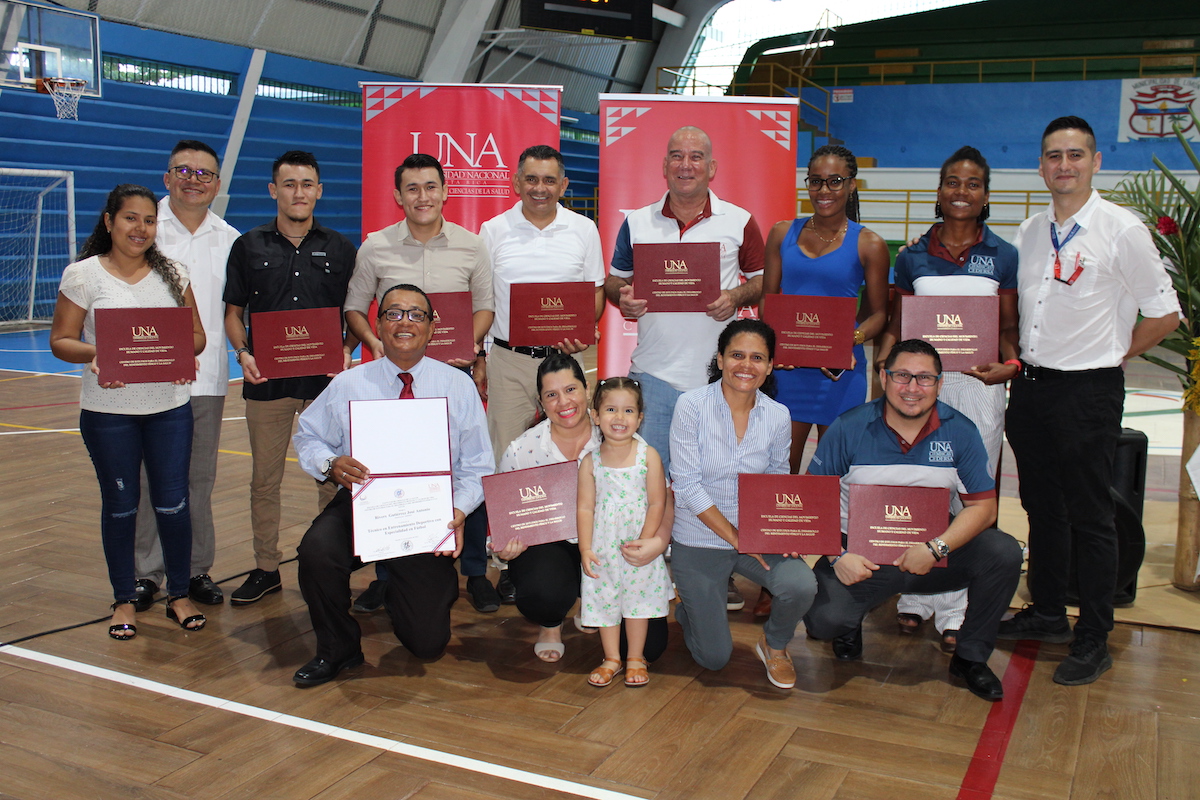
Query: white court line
{"points": [[378, 742], [47, 430]]}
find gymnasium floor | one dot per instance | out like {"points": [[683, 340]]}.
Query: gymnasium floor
{"points": [[214, 714]]}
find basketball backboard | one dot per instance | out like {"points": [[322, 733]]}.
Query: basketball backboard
{"points": [[39, 41]]}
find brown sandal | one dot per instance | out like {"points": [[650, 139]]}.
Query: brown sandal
{"points": [[602, 676], [641, 673]]}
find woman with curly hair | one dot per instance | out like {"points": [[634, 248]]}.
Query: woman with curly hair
{"points": [[119, 267]]}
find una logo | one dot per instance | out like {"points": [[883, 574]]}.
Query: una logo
{"points": [[981, 265], [552, 302], [672, 265], [295, 332], [941, 451], [949, 322], [785, 500], [896, 514], [436, 317], [807, 320], [472, 155], [144, 333], [530, 494]]}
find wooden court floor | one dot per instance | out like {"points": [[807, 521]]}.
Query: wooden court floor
{"points": [[214, 714]]}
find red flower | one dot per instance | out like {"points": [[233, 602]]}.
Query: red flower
{"points": [[1167, 227]]}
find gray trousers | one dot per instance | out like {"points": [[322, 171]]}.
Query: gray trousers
{"points": [[207, 412], [702, 580]]}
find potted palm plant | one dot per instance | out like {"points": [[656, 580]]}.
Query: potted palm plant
{"points": [[1172, 212]]}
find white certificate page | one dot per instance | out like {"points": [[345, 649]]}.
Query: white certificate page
{"points": [[403, 516], [396, 437]]}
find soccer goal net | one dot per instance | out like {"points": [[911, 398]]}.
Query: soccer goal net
{"points": [[37, 240]]}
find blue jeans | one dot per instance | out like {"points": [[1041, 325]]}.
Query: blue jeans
{"points": [[118, 443], [659, 398]]}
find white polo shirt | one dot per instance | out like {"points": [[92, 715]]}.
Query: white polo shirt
{"points": [[676, 347], [1088, 324], [566, 250], [205, 254]]}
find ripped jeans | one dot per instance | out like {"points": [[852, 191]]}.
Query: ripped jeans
{"points": [[118, 443]]}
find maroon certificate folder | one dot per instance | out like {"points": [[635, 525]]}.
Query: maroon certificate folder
{"points": [[680, 276], [887, 520], [547, 313], [790, 514], [536, 504], [145, 345], [453, 334], [811, 331], [964, 330], [293, 344]]}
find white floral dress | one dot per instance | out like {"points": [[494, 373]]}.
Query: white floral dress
{"points": [[622, 591]]}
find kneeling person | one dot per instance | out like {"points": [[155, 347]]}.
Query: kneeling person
{"points": [[421, 588], [889, 442]]}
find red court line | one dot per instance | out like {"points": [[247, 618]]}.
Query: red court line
{"points": [[984, 769]]}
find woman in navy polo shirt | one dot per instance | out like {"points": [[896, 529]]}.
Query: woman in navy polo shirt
{"points": [[961, 256]]}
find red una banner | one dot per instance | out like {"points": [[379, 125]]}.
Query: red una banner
{"points": [[477, 132], [754, 145]]}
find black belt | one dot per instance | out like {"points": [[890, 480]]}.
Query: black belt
{"points": [[1031, 372], [534, 352]]}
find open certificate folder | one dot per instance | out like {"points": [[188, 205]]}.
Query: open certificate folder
{"points": [[405, 505]]}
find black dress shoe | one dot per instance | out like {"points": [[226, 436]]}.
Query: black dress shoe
{"points": [[146, 589], [508, 592], [978, 676], [259, 583], [321, 670], [201, 589], [371, 600], [482, 594], [848, 647]]}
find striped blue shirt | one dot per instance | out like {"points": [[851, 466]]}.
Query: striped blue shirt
{"points": [[706, 458], [324, 430]]}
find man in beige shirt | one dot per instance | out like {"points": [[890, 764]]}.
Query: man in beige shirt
{"points": [[427, 250], [424, 249]]}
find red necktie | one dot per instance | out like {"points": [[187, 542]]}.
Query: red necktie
{"points": [[406, 393]]}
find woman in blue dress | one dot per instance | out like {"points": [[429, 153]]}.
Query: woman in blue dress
{"points": [[828, 254]]}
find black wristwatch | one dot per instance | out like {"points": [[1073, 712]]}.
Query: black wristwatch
{"points": [[939, 549]]}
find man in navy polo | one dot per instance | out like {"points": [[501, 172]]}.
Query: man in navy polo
{"points": [[908, 438]]}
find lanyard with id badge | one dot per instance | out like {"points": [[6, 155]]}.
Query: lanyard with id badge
{"points": [[1058, 262]]}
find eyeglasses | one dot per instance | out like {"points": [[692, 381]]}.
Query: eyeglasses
{"points": [[195, 173], [905, 378], [834, 182], [397, 314]]}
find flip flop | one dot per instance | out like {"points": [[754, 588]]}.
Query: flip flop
{"points": [[542, 649], [602, 676]]}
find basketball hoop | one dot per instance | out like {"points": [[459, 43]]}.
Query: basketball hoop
{"points": [[65, 92]]}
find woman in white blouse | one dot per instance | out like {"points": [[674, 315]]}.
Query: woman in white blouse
{"points": [[119, 267], [546, 576]]}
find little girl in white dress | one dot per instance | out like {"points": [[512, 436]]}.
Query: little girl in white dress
{"points": [[622, 495]]}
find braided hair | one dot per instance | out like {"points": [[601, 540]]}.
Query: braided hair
{"points": [[100, 242], [837, 150]]}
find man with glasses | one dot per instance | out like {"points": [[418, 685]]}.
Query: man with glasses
{"points": [[673, 350], [909, 438], [291, 263], [425, 249], [420, 589], [190, 233], [1087, 269]]}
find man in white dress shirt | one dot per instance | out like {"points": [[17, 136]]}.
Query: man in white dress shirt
{"points": [[536, 241], [190, 233], [1087, 269]]}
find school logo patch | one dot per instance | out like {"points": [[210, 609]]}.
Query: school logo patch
{"points": [[941, 453]]}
